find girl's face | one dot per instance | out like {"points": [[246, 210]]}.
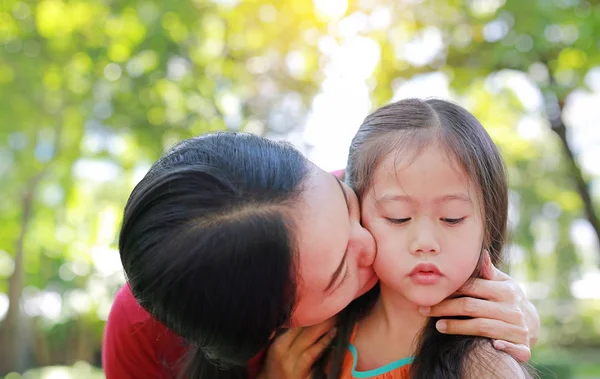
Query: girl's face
{"points": [[426, 217]]}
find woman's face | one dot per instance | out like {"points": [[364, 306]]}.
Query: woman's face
{"points": [[335, 253]]}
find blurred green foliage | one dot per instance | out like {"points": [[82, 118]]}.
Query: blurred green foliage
{"points": [[77, 370], [93, 91]]}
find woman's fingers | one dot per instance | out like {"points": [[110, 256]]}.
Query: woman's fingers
{"points": [[284, 340], [490, 272], [490, 290], [484, 327], [477, 308], [293, 353], [310, 355], [487, 269], [520, 352], [309, 335]]}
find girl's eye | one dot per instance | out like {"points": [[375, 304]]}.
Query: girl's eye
{"points": [[398, 221], [453, 221]]}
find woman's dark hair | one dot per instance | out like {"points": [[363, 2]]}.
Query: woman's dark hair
{"points": [[208, 247], [406, 127]]}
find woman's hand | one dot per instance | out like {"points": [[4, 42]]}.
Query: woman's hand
{"points": [[292, 354], [498, 310]]}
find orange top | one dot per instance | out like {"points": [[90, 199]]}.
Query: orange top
{"points": [[396, 370]]}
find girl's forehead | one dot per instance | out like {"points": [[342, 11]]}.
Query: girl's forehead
{"points": [[397, 163], [430, 174]]}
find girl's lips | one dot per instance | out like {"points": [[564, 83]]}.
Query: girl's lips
{"points": [[425, 278], [425, 274], [425, 267]]}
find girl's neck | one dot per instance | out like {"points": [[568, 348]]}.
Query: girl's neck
{"points": [[390, 331], [397, 314]]}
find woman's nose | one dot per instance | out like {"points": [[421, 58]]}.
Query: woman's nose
{"points": [[365, 244]]}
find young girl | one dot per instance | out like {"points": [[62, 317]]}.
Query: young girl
{"points": [[434, 195]]}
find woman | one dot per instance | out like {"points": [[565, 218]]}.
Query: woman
{"points": [[230, 238]]}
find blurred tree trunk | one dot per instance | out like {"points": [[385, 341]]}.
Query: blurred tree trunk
{"points": [[84, 348], [41, 348], [11, 330], [10, 333], [565, 266], [554, 110]]}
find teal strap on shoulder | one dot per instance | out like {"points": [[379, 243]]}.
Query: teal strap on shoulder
{"points": [[377, 371]]}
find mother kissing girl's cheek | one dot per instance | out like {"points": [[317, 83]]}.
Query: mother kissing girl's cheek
{"points": [[240, 251]]}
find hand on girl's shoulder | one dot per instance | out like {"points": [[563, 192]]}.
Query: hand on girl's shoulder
{"points": [[485, 362]]}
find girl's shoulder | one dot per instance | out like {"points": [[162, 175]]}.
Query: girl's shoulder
{"points": [[485, 362]]}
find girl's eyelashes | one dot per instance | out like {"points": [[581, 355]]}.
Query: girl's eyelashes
{"points": [[397, 221], [453, 221], [447, 220]]}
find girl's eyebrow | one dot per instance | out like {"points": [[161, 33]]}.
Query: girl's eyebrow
{"points": [[451, 197], [455, 196]]}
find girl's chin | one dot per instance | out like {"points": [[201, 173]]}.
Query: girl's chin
{"points": [[426, 301]]}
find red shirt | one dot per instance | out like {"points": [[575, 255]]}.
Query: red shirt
{"points": [[136, 346]]}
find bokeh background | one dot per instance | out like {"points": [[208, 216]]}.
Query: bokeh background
{"points": [[92, 91]]}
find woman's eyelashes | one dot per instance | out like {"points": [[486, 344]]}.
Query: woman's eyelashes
{"points": [[344, 276]]}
